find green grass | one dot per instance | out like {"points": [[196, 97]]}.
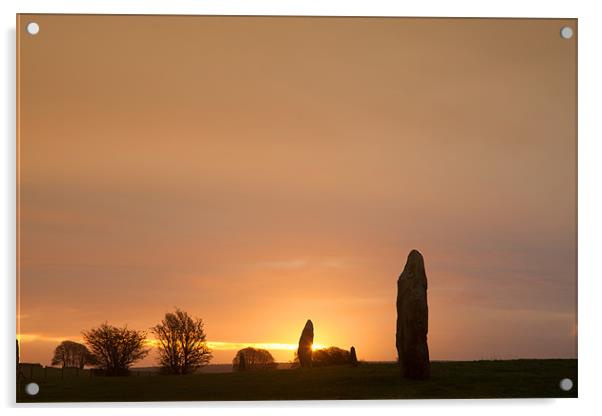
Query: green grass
{"points": [[459, 379]]}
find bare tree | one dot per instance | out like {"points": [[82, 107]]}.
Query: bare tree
{"points": [[116, 349], [253, 359], [72, 354], [182, 343]]}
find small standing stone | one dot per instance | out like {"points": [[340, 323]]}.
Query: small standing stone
{"points": [[353, 357], [305, 343], [412, 320]]}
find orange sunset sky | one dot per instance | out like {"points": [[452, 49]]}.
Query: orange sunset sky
{"points": [[260, 171]]}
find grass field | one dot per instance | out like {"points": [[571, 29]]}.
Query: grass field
{"points": [[455, 379]]}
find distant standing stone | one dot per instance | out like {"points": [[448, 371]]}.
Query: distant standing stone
{"points": [[353, 357], [305, 343], [412, 320]]}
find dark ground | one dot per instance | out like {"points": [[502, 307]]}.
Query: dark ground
{"points": [[452, 379]]}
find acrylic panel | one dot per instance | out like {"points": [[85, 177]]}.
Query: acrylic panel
{"points": [[295, 208]]}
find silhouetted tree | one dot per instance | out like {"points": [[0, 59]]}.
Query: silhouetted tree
{"points": [[182, 343], [326, 357], [72, 354], [116, 349], [241, 365], [253, 359]]}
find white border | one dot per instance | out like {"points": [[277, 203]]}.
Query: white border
{"points": [[590, 200]]}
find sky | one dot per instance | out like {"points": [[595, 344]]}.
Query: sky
{"points": [[257, 172]]}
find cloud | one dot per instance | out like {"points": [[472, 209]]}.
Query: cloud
{"points": [[334, 263], [284, 264]]}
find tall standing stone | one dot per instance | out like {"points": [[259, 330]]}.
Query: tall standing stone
{"points": [[412, 320], [305, 343]]}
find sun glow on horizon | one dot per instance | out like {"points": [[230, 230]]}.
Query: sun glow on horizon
{"points": [[234, 346], [152, 342]]}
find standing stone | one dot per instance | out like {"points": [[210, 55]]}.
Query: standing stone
{"points": [[305, 343], [353, 357], [412, 320]]}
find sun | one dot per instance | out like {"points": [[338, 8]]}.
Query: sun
{"points": [[317, 347]]}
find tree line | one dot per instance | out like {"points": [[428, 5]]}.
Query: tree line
{"points": [[181, 342]]}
